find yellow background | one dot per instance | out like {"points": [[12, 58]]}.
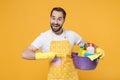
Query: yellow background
{"points": [[21, 21]]}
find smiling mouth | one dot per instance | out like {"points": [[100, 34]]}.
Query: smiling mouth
{"points": [[55, 25], [55, 28]]}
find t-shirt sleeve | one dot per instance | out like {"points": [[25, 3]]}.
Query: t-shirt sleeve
{"points": [[38, 42], [77, 38]]}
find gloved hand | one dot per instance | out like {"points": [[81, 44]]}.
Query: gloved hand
{"points": [[47, 55], [98, 55], [101, 52]]}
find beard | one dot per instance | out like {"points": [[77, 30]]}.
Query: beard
{"points": [[55, 27]]}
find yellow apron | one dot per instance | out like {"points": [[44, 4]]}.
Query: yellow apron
{"points": [[65, 71]]}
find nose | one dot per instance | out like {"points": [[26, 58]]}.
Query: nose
{"points": [[56, 21]]}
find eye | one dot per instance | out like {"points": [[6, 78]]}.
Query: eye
{"points": [[59, 19], [53, 18]]}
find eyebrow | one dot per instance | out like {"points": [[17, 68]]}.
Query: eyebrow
{"points": [[54, 16]]}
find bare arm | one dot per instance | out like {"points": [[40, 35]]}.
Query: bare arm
{"points": [[82, 42], [29, 53]]}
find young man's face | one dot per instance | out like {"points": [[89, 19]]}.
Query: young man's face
{"points": [[56, 20]]}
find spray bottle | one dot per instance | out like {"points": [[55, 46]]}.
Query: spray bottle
{"points": [[90, 49]]}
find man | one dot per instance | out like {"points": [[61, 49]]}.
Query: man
{"points": [[61, 43]]}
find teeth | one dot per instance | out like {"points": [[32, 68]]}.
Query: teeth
{"points": [[55, 26]]}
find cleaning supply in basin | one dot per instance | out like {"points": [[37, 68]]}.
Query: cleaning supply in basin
{"points": [[83, 53], [80, 51], [91, 49], [88, 58], [88, 54]]}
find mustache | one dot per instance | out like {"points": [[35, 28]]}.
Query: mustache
{"points": [[56, 24]]}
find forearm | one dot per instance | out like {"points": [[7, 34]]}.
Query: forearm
{"points": [[82, 43], [28, 54], [31, 55]]}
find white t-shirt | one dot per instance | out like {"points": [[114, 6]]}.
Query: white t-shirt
{"points": [[42, 42]]}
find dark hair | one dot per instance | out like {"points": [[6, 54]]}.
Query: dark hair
{"points": [[59, 9]]}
